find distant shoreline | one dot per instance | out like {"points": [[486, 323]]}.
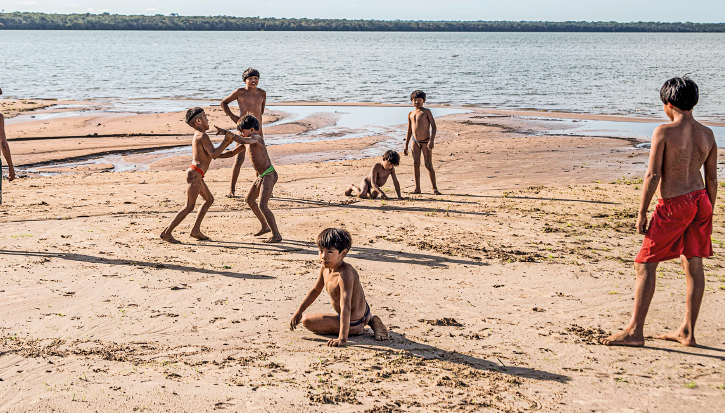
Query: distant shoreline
{"points": [[106, 21]]}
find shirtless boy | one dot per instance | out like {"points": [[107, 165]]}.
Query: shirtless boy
{"points": [[5, 149], [422, 128], [203, 152], [251, 100], [371, 185], [681, 225], [262, 187], [346, 294]]}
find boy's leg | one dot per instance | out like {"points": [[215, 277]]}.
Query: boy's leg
{"points": [[695, 275], [644, 290], [352, 190], [266, 193], [379, 329], [238, 161], [428, 157], [416, 166], [208, 200], [192, 192], [328, 324], [252, 196]]}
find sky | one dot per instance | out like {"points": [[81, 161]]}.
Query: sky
{"points": [[701, 11]]}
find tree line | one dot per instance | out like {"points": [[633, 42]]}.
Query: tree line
{"points": [[106, 21]]}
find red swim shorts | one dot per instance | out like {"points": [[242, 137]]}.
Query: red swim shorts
{"points": [[679, 226]]}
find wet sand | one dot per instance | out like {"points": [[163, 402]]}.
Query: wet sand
{"points": [[495, 292]]}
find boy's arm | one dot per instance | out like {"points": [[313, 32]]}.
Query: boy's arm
{"points": [[225, 105], [407, 136], [396, 183], [209, 146], [374, 181], [230, 154], [264, 103], [309, 299], [346, 283], [651, 179], [5, 149], [433, 129], [711, 175]]}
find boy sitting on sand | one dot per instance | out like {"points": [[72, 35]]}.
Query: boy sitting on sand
{"points": [[371, 185], [262, 187], [202, 153], [5, 149], [681, 224], [251, 100], [348, 299], [422, 128]]}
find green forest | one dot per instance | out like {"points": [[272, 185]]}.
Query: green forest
{"points": [[106, 21]]}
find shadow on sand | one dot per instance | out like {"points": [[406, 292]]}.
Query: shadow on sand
{"points": [[388, 207]]}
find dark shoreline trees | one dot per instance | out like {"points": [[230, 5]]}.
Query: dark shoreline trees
{"points": [[106, 21]]}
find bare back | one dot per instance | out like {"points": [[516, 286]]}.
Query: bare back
{"points": [[420, 124], [332, 285], [687, 145]]}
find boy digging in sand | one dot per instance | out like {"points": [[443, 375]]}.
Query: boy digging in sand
{"points": [[251, 100], [348, 299], [202, 153], [266, 175], [5, 149], [371, 185], [422, 128], [681, 224]]}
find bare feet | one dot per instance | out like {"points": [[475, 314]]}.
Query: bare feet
{"points": [[169, 238], [417, 191], [230, 194], [348, 192], [624, 338], [681, 336], [274, 239], [199, 236], [437, 192], [379, 329], [263, 231]]}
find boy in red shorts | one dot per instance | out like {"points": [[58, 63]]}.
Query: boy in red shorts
{"points": [[681, 224]]}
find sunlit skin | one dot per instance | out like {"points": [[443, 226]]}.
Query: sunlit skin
{"points": [[342, 283], [371, 185], [251, 100], [262, 190], [203, 152], [679, 150], [421, 127], [5, 148]]}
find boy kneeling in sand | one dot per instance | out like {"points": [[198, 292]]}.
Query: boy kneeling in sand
{"points": [[262, 187], [348, 299], [370, 187], [203, 152], [681, 225]]}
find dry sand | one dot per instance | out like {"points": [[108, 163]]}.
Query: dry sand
{"points": [[495, 292]]}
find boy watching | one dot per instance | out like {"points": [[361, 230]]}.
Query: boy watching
{"points": [[5, 149], [203, 152], [681, 225], [251, 100], [422, 128], [348, 299], [371, 185], [262, 187]]}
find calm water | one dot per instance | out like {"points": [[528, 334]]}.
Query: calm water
{"points": [[583, 72]]}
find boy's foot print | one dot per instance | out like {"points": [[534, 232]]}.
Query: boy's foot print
{"points": [[263, 231], [680, 337], [437, 192], [623, 338], [274, 239], [169, 238], [379, 329], [200, 236]]}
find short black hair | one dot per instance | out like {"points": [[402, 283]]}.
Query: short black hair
{"points": [[248, 122], [192, 113], [682, 92], [249, 73], [417, 94], [392, 157], [336, 238]]}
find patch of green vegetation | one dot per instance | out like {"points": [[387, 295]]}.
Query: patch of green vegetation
{"points": [[690, 385], [621, 380]]}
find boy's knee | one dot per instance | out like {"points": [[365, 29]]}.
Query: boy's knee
{"points": [[306, 321], [429, 166], [210, 200], [416, 164]]}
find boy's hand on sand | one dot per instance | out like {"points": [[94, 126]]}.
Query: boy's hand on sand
{"points": [[642, 224], [383, 197], [336, 343], [296, 320]]}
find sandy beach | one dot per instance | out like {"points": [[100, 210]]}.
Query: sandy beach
{"points": [[496, 292]]}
